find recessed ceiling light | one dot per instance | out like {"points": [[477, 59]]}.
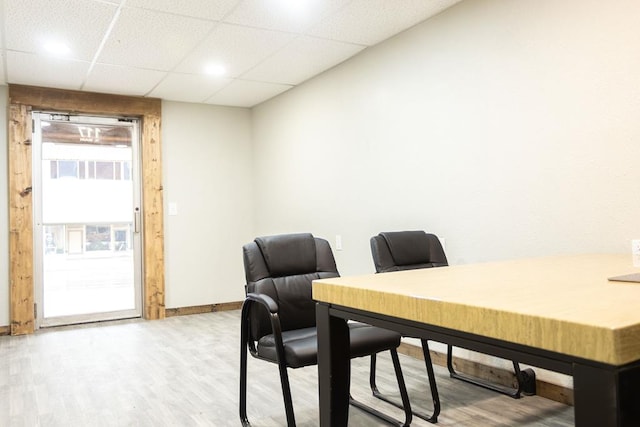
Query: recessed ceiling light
{"points": [[300, 9], [57, 48], [215, 70]]}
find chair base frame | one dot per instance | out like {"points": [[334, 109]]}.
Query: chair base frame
{"points": [[526, 383], [433, 417], [526, 379]]}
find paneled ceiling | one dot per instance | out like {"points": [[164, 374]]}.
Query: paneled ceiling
{"points": [[224, 52]]}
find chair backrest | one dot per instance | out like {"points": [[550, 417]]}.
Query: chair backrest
{"points": [[406, 250], [283, 267]]}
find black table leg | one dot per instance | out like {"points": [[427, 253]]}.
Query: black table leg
{"points": [[606, 396], [333, 368]]}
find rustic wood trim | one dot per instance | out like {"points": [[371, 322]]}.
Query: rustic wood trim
{"points": [[497, 375], [554, 392], [72, 101], [198, 309], [153, 219], [25, 98], [5, 330], [20, 222]]}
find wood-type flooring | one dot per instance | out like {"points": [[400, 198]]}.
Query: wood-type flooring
{"points": [[183, 371]]}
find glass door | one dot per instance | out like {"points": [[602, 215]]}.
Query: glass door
{"points": [[87, 218]]}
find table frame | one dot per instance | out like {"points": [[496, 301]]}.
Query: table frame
{"points": [[604, 395]]}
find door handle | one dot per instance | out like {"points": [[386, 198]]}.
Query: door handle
{"points": [[136, 221]]}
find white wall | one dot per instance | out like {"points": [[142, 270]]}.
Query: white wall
{"points": [[4, 211], [207, 174], [508, 128]]}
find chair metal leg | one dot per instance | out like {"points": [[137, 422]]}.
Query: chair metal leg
{"points": [[433, 418], [286, 394], [514, 392], [404, 395], [372, 374], [432, 384], [406, 404], [243, 376], [284, 377]]}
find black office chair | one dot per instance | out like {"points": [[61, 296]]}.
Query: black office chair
{"points": [[409, 250], [279, 317]]}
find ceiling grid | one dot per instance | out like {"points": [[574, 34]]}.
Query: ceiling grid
{"points": [[161, 48]]}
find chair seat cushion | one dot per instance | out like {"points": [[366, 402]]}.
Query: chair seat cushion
{"points": [[301, 345]]}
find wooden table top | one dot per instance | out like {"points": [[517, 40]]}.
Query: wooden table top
{"points": [[562, 303]]}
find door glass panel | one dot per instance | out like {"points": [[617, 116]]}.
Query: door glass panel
{"points": [[88, 267]]}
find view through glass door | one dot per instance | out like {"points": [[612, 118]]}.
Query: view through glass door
{"points": [[87, 218]]}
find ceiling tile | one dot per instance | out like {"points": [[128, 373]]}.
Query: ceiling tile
{"points": [[207, 9], [154, 40], [159, 47], [243, 93], [371, 21], [283, 15], [80, 24], [302, 59], [235, 47], [188, 87], [122, 80], [28, 69]]}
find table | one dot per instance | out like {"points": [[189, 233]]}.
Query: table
{"points": [[558, 313]]}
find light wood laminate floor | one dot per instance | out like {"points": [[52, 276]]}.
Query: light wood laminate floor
{"points": [[183, 371]]}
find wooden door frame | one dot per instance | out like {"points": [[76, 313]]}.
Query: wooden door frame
{"points": [[24, 99]]}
